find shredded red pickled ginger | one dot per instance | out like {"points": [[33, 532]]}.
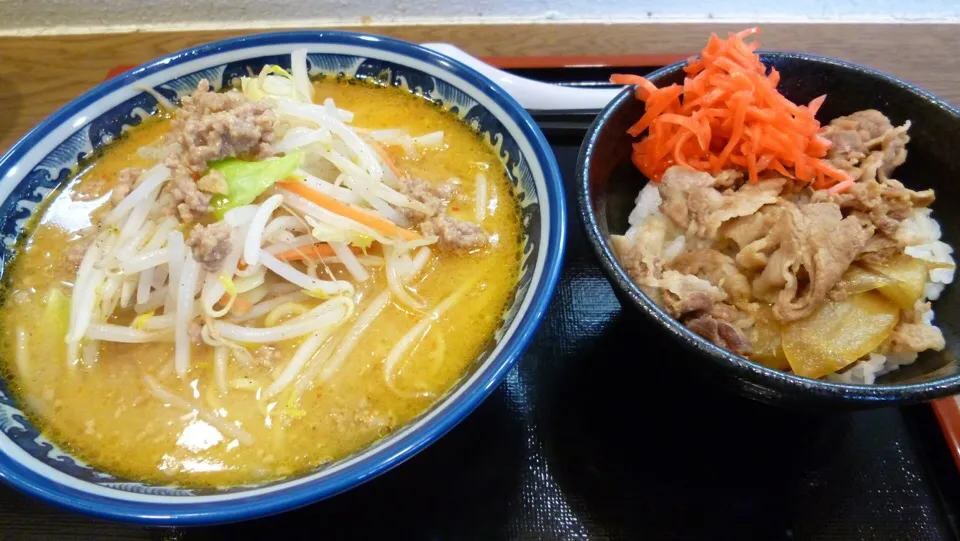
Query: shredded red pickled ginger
{"points": [[729, 115]]}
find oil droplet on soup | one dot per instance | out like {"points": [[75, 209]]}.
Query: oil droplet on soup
{"points": [[104, 414]]}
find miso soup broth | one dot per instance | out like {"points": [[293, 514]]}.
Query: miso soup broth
{"points": [[260, 281]]}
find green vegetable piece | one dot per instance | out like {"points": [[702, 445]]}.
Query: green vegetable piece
{"points": [[247, 180]]}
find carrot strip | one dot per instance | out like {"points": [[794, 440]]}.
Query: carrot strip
{"points": [[829, 170], [627, 79], [311, 251], [668, 146], [739, 160], [694, 127], [761, 115], [752, 174], [640, 163], [818, 146], [728, 65], [764, 162], [657, 104], [774, 78], [739, 115], [644, 87], [661, 145], [778, 167], [841, 187], [374, 222], [678, 148], [728, 113], [703, 100], [386, 159], [240, 305], [815, 104], [689, 90]]}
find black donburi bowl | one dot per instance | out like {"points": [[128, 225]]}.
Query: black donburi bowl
{"points": [[608, 185]]}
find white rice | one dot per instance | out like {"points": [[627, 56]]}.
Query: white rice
{"points": [[647, 205]]}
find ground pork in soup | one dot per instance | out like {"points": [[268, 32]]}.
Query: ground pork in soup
{"points": [[260, 282]]}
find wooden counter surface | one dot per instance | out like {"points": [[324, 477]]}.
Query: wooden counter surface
{"points": [[39, 74]]}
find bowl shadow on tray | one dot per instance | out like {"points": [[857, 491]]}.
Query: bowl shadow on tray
{"points": [[627, 430], [463, 482]]}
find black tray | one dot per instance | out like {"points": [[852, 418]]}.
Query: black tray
{"points": [[586, 438]]}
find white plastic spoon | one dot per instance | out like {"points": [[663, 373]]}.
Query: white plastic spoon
{"points": [[532, 94]]}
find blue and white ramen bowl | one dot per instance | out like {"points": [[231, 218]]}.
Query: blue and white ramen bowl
{"points": [[47, 156]]}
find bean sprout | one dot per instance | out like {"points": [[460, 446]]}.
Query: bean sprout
{"points": [[151, 180], [329, 313], [184, 310], [251, 247]]}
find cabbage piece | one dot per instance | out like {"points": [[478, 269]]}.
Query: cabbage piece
{"points": [[247, 180], [838, 333]]}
